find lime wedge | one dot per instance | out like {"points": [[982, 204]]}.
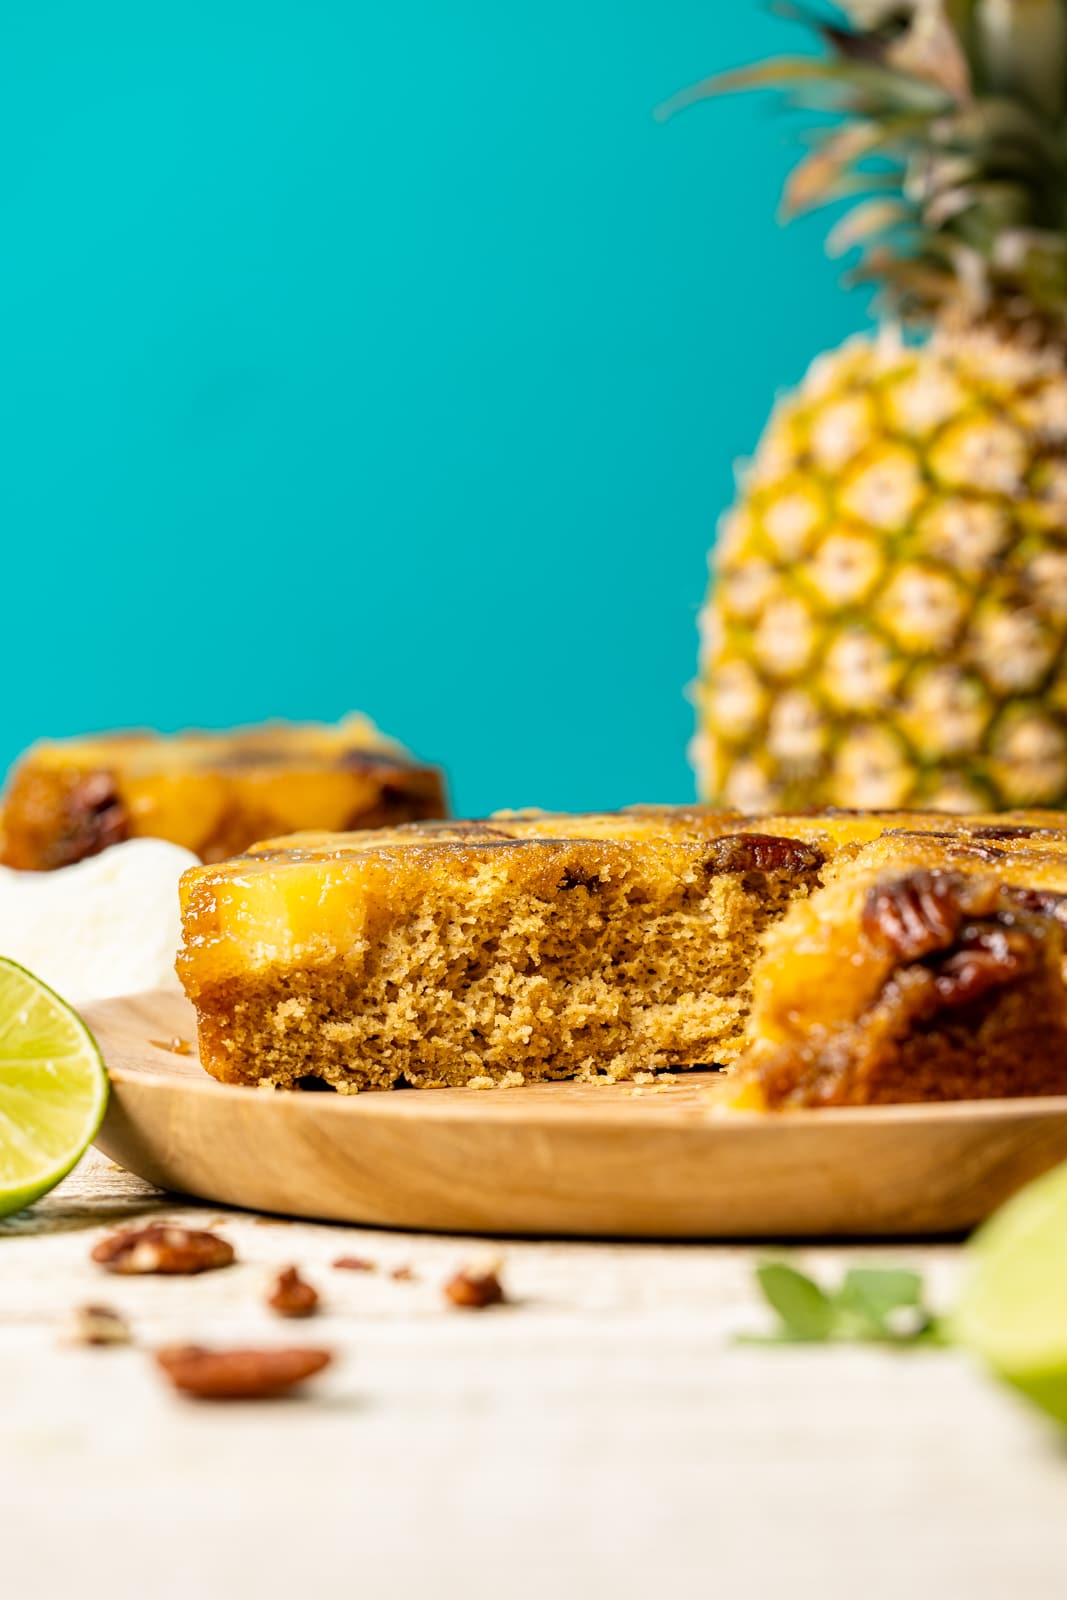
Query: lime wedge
{"points": [[53, 1088], [1013, 1307]]}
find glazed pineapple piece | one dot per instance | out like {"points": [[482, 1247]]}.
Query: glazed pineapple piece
{"points": [[214, 793], [453, 955], [925, 969]]}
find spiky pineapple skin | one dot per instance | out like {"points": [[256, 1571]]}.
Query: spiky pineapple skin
{"points": [[887, 620]]}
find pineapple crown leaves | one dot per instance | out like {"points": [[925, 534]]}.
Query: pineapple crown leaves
{"points": [[950, 133]]}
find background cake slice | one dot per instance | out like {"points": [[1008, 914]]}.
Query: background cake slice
{"points": [[213, 793]]}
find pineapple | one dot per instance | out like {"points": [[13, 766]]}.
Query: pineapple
{"points": [[887, 621]]}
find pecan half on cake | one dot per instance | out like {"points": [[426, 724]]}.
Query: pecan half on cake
{"points": [[214, 793]]}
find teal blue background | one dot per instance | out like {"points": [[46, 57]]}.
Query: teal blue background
{"points": [[388, 357]]}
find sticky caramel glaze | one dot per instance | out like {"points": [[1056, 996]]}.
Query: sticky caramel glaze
{"points": [[420, 959], [923, 970], [213, 793], [829, 831]]}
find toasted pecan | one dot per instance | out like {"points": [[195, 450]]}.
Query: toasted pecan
{"points": [[761, 852], [292, 1296], [914, 915], [95, 818], [474, 1288], [239, 1374], [989, 957], [163, 1248]]}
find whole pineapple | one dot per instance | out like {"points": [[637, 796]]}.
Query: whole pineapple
{"points": [[887, 623]]}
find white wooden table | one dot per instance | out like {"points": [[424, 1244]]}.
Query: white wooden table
{"points": [[602, 1435]]}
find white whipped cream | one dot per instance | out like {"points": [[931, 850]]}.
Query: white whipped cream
{"points": [[105, 926]]}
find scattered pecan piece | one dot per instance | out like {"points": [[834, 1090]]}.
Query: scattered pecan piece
{"points": [[914, 915], [241, 1374], [355, 1264], [761, 852], [404, 1275], [97, 1325], [292, 1296], [163, 1248], [474, 1288]]}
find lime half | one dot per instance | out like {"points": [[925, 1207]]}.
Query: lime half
{"points": [[1013, 1307], [53, 1088]]}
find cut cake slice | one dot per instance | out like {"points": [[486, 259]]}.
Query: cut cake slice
{"points": [[428, 959], [537, 946]]}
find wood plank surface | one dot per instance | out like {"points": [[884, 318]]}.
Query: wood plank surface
{"points": [[603, 1434]]}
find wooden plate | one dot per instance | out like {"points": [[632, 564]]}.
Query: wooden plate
{"points": [[559, 1158]]}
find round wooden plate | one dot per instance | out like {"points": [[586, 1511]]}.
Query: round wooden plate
{"points": [[559, 1158]]}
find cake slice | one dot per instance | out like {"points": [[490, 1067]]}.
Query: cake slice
{"points": [[846, 958], [461, 955], [927, 968], [214, 793]]}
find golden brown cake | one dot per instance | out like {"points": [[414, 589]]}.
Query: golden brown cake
{"points": [[926, 968], [214, 793], [462, 955], [534, 945]]}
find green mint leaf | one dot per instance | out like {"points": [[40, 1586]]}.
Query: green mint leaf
{"points": [[886, 1300], [872, 1305], [807, 1313]]}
